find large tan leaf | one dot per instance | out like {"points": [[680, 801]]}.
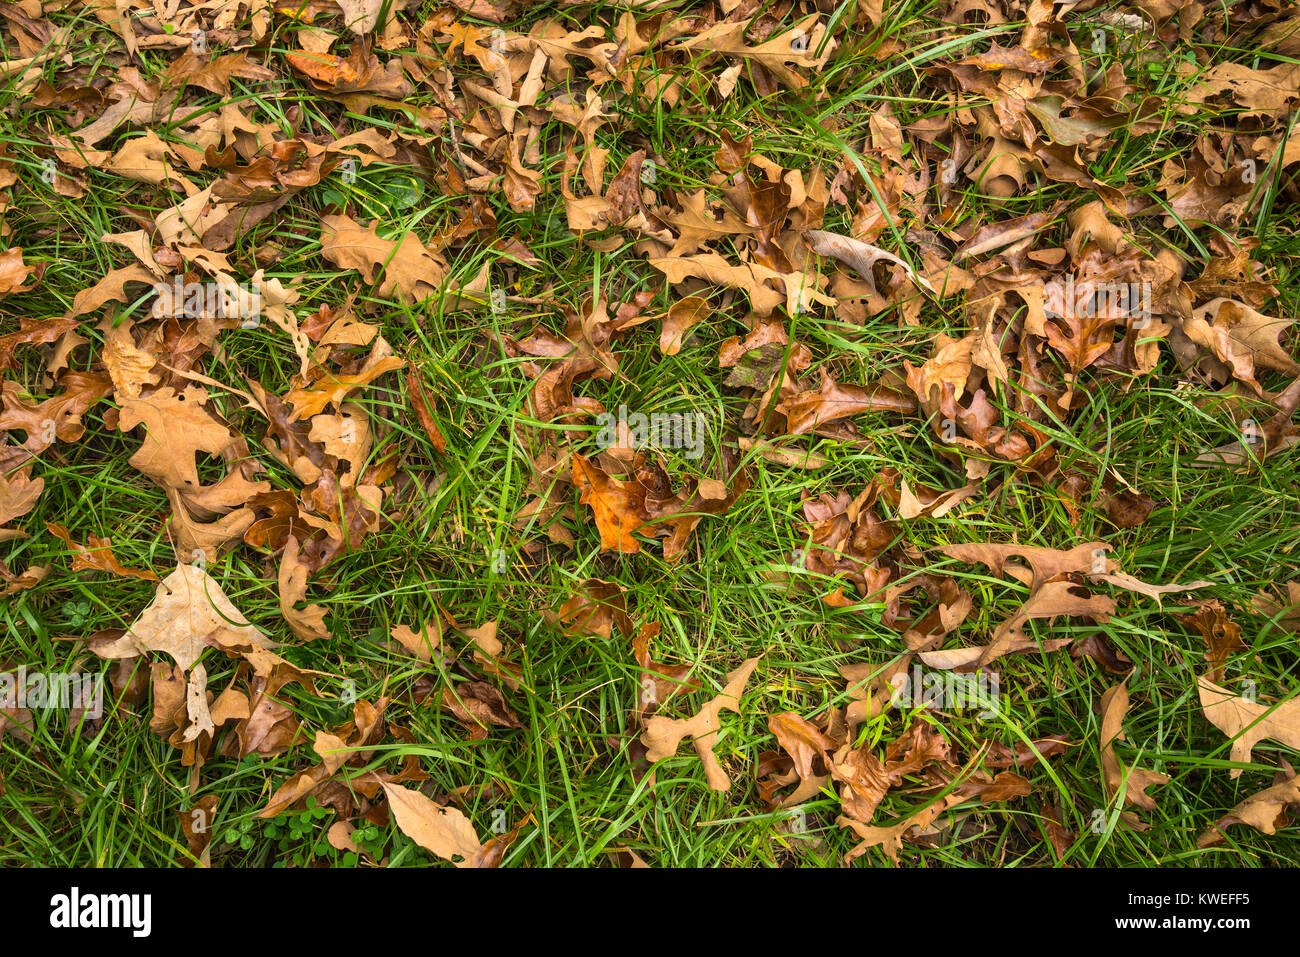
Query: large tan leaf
{"points": [[758, 282], [1266, 91], [188, 609], [1050, 601], [1247, 340], [177, 427], [19, 493], [1248, 722], [443, 831], [335, 388], [407, 266], [1046, 563]]}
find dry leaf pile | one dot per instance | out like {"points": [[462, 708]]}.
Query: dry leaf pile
{"points": [[501, 112]]}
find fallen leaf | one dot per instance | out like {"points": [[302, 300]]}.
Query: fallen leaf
{"points": [[97, 554], [1248, 722], [1265, 810], [307, 623], [189, 607], [1137, 781], [333, 389], [1222, 636], [594, 609], [443, 831], [663, 735], [618, 506]]}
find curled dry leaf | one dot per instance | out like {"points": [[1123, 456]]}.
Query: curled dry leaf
{"points": [[755, 280], [1286, 612], [424, 411], [196, 704], [930, 503], [1129, 583], [678, 321], [807, 411], [924, 752], [861, 256], [809, 749], [593, 610], [998, 235], [865, 779], [168, 683], [97, 554], [350, 746], [1242, 337], [360, 72], [307, 623], [788, 457], [1266, 810], [478, 706], [1100, 650], [1222, 636], [658, 682], [197, 826]]}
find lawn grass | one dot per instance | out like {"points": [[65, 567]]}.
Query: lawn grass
{"points": [[113, 795]]}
